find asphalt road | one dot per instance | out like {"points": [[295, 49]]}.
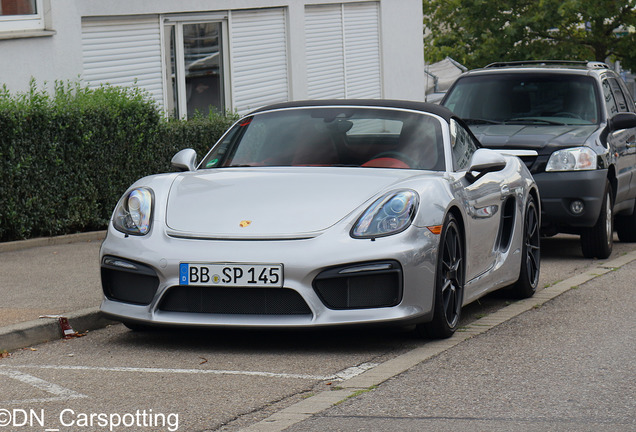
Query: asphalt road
{"points": [[566, 365]]}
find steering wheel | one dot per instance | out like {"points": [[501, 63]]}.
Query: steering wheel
{"points": [[397, 155], [568, 114]]}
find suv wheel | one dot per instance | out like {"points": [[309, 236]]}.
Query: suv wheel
{"points": [[597, 242], [626, 227]]}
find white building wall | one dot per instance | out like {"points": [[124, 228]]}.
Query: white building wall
{"points": [[46, 58], [401, 59], [59, 57]]}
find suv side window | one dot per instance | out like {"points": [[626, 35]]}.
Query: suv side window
{"points": [[618, 95], [463, 146], [610, 102], [628, 97]]}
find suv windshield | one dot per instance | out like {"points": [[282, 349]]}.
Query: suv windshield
{"points": [[340, 136], [517, 98]]}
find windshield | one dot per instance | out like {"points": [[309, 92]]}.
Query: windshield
{"points": [[525, 99], [338, 136]]}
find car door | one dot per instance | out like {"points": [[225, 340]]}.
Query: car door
{"points": [[621, 142], [482, 200], [631, 137]]}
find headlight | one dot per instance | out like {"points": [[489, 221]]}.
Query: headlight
{"points": [[572, 159], [390, 214], [134, 211]]}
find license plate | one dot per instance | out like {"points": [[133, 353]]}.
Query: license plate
{"points": [[231, 275]]}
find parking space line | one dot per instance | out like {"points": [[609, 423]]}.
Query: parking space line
{"points": [[59, 393], [339, 376]]}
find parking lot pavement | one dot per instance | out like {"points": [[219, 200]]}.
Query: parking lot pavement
{"points": [[566, 363], [48, 276], [538, 364]]}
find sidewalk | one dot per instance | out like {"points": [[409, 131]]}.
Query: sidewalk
{"points": [[48, 276]]}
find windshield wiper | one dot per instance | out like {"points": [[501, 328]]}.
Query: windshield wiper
{"points": [[476, 121], [533, 120]]}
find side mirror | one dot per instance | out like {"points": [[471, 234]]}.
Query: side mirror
{"points": [[626, 120], [484, 161], [185, 160]]}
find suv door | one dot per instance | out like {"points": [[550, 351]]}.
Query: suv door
{"points": [[622, 142]]}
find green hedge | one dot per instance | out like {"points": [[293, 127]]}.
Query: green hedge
{"points": [[67, 157]]}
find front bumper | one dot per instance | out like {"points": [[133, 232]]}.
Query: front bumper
{"points": [[315, 292], [559, 189]]}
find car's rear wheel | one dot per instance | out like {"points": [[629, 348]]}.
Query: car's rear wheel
{"points": [[597, 242], [626, 227], [449, 283], [528, 280]]}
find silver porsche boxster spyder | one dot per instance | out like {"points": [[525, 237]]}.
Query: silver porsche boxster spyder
{"points": [[322, 213]]}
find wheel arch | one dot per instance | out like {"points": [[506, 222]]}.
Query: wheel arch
{"points": [[534, 193], [455, 211]]}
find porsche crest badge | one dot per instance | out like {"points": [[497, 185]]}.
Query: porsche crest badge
{"points": [[244, 223]]}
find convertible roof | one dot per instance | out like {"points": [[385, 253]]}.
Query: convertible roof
{"points": [[378, 103]]}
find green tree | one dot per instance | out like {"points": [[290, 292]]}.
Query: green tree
{"points": [[478, 32]]}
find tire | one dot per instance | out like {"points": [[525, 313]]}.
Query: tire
{"points": [[626, 227], [597, 242], [449, 284], [530, 268]]}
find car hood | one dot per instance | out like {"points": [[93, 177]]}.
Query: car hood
{"points": [[270, 202], [532, 137]]}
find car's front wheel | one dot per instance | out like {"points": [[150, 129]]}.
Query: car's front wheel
{"points": [[449, 283], [528, 280], [597, 242]]}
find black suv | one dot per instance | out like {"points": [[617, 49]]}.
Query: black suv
{"points": [[574, 125]]}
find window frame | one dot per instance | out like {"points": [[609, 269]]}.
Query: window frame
{"points": [[611, 105], [623, 102], [180, 108], [15, 23], [461, 136]]}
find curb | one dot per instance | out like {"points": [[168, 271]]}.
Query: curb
{"points": [[52, 241], [24, 334]]}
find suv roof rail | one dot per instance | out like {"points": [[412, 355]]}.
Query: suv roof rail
{"points": [[587, 64]]}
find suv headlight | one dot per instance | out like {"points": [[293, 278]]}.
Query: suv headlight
{"points": [[133, 214], [572, 159], [390, 214]]}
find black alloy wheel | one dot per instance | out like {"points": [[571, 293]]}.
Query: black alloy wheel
{"points": [[528, 280], [449, 283]]}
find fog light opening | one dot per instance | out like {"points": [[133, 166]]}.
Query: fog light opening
{"points": [[577, 207]]}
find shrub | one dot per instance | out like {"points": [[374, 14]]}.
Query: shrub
{"points": [[66, 157]]}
